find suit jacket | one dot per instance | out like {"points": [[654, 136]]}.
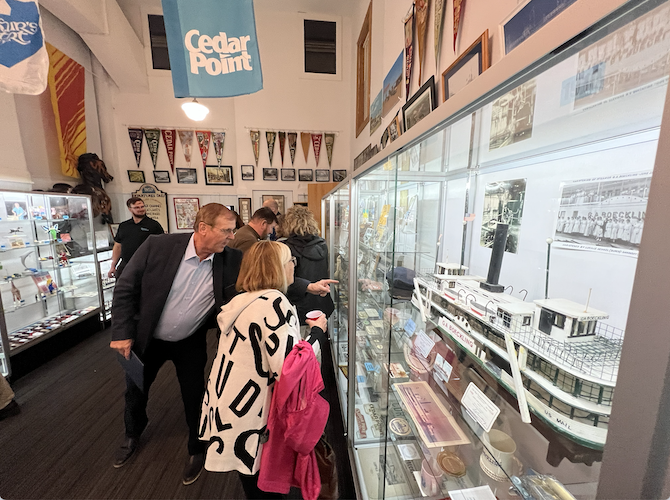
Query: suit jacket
{"points": [[141, 292]]}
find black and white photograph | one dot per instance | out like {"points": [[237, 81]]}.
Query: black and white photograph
{"points": [[219, 175], [503, 203], [339, 175], [270, 174], [161, 176], [419, 105], [186, 176], [247, 172], [322, 175], [606, 215], [468, 66], [305, 175], [136, 176], [288, 174], [512, 116]]}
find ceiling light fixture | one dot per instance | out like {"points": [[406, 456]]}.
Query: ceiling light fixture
{"points": [[195, 111]]}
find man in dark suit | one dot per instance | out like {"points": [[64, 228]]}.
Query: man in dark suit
{"points": [[165, 301]]}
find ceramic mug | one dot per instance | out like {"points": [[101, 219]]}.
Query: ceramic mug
{"points": [[498, 454], [431, 477]]}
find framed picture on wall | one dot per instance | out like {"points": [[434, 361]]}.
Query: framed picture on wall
{"points": [[270, 174], [305, 175], [187, 176], [219, 175], [322, 175], [136, 176], [247, 172], [279, 198], [245, 209], [161, 176], [468, 66], [288, 174], [185, 210], [420, 105], [339, 175]]}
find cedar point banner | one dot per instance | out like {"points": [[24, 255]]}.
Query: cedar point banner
{"points": [[213, 47]]}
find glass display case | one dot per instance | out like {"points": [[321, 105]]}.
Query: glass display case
{"points": [[492, 268], [49, 271]]}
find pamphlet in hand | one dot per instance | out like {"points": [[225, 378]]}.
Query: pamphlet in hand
{"points": [[134, 368]]}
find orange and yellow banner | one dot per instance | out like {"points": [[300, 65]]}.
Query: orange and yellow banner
{"points": [[66, 84]]}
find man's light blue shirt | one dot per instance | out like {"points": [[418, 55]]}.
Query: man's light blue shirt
{"points": [[191, 297]]}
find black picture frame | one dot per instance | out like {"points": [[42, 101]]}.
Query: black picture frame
{"points": [[420, 105], [216, 175], [161, 176], [270, 174], [339, 175], [136, 176], [305, 175], [459, 74], [247, 172], [186, 175], [288, 174], [322, 175]]}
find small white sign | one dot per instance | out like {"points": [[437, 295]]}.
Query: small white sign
{"points": [[423, 344], [408, 451], [442, 368], [458, 334], [480, 407], [478, 493], [372, 313]]}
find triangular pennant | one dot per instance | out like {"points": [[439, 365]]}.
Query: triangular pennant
{"points": [[203, 137], [168, 140], [329, 139], [292, 145], [439, 21], [186, 139], [270, 137], [316, 144], [218, 138], [409, 48], [305, 138], [255, 143], [282, 141], [422, 7], [153, 136], [459, 5], [136, 141]]}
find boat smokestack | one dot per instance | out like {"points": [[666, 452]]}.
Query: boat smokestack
{"points": [[497, 254]]}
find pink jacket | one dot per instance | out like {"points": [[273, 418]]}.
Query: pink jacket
{"points": [[298, 416]]}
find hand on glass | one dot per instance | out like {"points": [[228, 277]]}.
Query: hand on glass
{"points": [[321, 287]]}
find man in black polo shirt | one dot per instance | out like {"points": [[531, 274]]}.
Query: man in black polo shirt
{"points": [[131, 235]]}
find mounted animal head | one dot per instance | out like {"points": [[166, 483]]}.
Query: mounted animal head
{"points": [[93, 170]]}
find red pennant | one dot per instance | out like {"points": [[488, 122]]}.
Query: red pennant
{"points": [[459, 5], [168, 140], [316, 143], [203, 137]]}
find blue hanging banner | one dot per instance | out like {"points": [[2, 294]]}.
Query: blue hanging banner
{"points": [[213, 47]]}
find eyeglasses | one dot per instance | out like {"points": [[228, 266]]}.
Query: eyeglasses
{"points": [[294, 261], [226, 232]]}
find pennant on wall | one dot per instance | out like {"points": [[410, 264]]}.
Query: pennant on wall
{"points": [[217, 139], [439, 22], [168, 140], [459, 5], [203, 137], [270, 137], [329, 139], [186, 139], [136, 135], [66, 86], [421, 24], [255, 143], [316, 144], [409, 48], [282, 140], [305, 138], [292, 141], [152, 135]]}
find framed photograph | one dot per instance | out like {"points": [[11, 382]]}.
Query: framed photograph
{"points": [[136, 176], [185, 210], [270, 174], [247, 172], [339, 175], [420, 105], [322, 175], [17, 210], [245, 209], [288, 174], [161, 176], [305, 175], [219, 176], [187, 176], [394, 128], [468, 66], [279, 198]]}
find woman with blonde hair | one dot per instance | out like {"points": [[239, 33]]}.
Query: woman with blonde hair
{"points": [[259, 328]]}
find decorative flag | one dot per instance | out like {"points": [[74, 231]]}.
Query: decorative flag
{"points": [[270, 137], [66, 86], [24, 63], [459, 5], [217, 139], [329, 139], [255, 143], [168, 140], [186, 139], [282, 140], [292, 142], [316, 144], [439, 22], [136, 135], [203, 137], [305, 137], [421, 22], [153, 136], [213, 47], [409, 48]]}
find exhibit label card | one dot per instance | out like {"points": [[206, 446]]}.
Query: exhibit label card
{"points": [[479, 493], [480, 407], [423, 344], [442, 368]]}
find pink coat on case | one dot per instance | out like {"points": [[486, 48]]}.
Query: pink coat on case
{"points": [[298, 416]]}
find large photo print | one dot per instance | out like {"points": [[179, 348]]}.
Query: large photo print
{"points": [[503, 203]]}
